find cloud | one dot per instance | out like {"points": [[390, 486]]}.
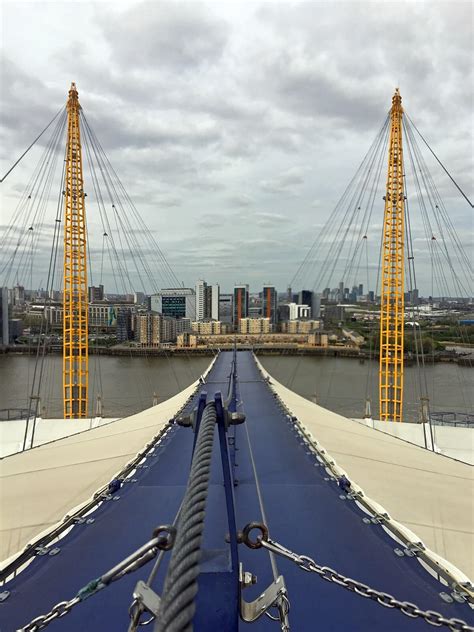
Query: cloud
{"points": [[287, 182]]}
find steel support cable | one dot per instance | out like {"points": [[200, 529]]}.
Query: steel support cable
{"points": [[447, 219], [433, 196], [369, 210], [33, 143], [371, 202], [370, 185], [37, 221], [380, 144], [415, 313], [437, 268], [41, 346], [141, 224], [113, 198], [123, 226], [106, 227], [333, 214], [27, 210], [441, 164], [25, 200], [123, 273], [128, 199], [180, 588], [134, 247], [337, 244], [36, 177]]}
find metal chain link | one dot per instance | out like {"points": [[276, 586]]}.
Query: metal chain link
{"points": [[59, 610], [130, 564], [306, 563]]}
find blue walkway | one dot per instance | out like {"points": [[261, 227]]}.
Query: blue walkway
{"points": [[304, 512]]}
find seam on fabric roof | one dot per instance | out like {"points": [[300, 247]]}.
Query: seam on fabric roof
{"points": [[408, 467]]}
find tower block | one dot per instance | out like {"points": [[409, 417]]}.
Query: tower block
{"points": [[75, 322], [392, 290]]}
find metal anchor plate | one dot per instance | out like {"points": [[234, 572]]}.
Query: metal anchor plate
{"points": [[252, 610]]}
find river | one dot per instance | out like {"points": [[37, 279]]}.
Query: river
{"points": [[127, 384]]}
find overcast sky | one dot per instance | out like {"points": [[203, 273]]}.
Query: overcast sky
{"points": [[236, 127]]}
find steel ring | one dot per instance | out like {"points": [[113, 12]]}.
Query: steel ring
{"points": [[169, 532], [257, 543]]}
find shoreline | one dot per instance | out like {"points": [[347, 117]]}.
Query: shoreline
{"points": [[260, 350]]}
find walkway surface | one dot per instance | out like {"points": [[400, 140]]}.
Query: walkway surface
{"points": [[304, 511]]}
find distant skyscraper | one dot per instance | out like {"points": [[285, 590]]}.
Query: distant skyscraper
{"points": [[361, 289], [207, 301], [315, 306], [225, 308], [341, 291], [269, 303], [215, 294], [201, 291], [241, 304]]}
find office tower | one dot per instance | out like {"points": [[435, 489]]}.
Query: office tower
{"points": [[207, 301], [241, 304], [225, 308], [269, 303]]}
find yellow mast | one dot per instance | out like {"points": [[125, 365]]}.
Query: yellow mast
{"points": [[75, 322], [392, 291]]}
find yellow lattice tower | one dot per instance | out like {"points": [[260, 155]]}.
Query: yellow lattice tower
{"points": [[392, 292], [75, 324]]}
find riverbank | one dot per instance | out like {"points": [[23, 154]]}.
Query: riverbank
{"points": [[261, 350]]}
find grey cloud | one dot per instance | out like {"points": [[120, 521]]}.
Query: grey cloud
{"points": [[182, 36]]}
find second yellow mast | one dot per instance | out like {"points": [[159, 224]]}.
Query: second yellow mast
{"points": [[75, 302], [392, 303]]}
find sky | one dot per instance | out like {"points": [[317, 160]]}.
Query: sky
{"points": [[236, 126]]}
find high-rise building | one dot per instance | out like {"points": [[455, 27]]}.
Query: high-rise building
{"points": [[315, 306], [225, 308], [207, 301], [269, 303], [305, 297], [340, 296], [4, 335], [215, 294], [201, 291], [361, 289], [175, 302], [241, 304]]}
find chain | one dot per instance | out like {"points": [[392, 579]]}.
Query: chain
{"points": [[306, 563], [59, 610], [163, 540]]}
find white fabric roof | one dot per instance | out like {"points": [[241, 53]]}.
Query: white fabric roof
{"points": [[431, 494], [39, 487]]}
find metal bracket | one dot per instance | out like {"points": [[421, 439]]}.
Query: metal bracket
{"points": [[147, 598], [252, 610]]}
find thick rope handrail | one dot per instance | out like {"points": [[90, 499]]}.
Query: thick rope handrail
{"points": [[178, 599]]}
